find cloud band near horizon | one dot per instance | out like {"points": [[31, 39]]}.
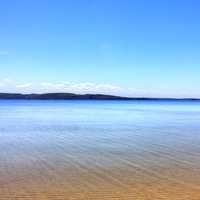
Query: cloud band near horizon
{"points": [[10, 86]]}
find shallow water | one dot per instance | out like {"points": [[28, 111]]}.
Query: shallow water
{"points": [[88, 150]]}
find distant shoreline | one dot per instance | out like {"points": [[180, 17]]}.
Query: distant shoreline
{"points": [[72, 96]]}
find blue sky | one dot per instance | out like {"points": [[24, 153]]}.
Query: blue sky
{"points": [[135, 48]]}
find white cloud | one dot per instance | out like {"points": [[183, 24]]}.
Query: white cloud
{"points": [[7, 85], [6, 80], [85, 87], [25, 85]]}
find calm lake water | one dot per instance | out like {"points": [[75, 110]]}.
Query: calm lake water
{"points": [[82, 150]]}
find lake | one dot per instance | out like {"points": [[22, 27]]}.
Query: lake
{"points": [[99, 150]]}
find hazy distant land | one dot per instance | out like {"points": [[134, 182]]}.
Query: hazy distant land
{"points": [[72, 96]]}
